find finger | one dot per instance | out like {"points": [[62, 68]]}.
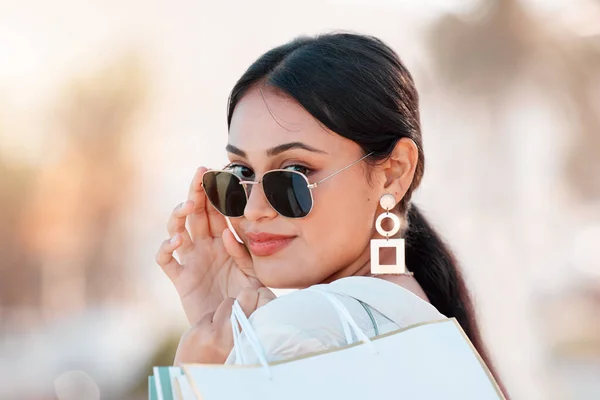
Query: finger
{"points": [[248, 299], [265, 295], [165, 258], [198, 219], [221, 328], [176, 223], [238, 253], [189, 349], [205, 320], [223, 312], [224, 337]]}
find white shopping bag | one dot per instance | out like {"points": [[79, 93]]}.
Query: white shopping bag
{"points": [[429, 361]]}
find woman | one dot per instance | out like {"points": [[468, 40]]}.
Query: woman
{"points": [[339, 110]]}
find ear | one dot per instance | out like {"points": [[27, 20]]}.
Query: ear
{"points": [[400, 168]]}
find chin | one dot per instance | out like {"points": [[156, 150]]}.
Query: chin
{"points": [[272, 275]]}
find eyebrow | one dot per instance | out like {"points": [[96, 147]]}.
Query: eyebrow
{"points": [[273, 151]]}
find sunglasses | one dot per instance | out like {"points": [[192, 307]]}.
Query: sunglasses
{"points": [[288, 192]]}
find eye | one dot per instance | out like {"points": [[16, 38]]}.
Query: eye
{"points": [[299, 168], [240, 170]]}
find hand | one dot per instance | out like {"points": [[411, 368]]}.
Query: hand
{"points": [[214, 266], [211, 340]]}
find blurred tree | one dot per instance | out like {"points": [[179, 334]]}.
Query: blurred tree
{"points": [[77, 218], [484, 53], [19, 279]]}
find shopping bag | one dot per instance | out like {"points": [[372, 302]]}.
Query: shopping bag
{"points": [[429, 361], [161, 385]]}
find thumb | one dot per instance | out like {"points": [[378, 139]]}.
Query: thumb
{"points": [[265, 295], [238, 253]]}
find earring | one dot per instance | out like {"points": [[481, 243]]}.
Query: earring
{"points": [[388, 202]]}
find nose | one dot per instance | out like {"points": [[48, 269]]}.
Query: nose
{"points": [[257, 206]]}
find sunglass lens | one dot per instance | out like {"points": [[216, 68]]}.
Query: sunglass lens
{"points": [[288, 193], [225, 192]]}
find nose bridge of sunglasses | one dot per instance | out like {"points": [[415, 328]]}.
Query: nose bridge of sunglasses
{"points": [[248, 186]]}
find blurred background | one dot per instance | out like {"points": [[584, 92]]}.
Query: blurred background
{"points": [[108, 107]]}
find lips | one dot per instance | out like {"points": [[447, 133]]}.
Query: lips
{"points": [[262, 244]]}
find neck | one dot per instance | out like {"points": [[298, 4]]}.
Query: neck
{"points": [[360, 267]]}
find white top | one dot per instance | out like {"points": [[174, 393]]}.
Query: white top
{"points": [[304, 322]]}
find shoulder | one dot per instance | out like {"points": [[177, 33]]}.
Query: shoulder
{"points": [[301, 309], [407, 282], [305, 321], [308, 309], [294, 324]]}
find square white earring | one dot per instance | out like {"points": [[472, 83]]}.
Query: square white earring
{"points": [[398, 267]]}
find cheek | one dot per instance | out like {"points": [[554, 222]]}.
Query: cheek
{"points": [[341, 226]]}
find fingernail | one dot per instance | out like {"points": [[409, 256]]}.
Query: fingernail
{"points": [[174, 238], [179, 206]]}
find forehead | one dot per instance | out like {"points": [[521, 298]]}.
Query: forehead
{"points": [[264, 119]]}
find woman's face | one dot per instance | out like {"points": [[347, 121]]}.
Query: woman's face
{"points": [[334, 238]]}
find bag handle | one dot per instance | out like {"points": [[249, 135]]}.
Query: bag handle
{"points": [[348, 323], [239, 319]]}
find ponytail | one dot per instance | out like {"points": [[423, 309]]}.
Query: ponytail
{"points": [[438, 273]]}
